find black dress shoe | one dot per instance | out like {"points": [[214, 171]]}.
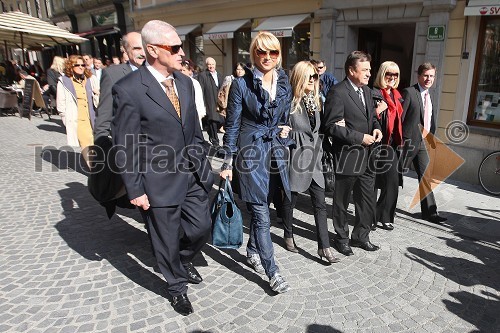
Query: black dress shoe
{"points": [[182, 305], [386, 226], [344, 248], [367, 246], [435, 218], [192, 274]]}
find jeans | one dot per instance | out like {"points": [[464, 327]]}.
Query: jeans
{"points": [[260, 241]]}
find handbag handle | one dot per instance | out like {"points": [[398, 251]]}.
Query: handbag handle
{"points": [[228, 189]]}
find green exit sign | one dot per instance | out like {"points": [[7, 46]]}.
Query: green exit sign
{"points": [[435, 32]]}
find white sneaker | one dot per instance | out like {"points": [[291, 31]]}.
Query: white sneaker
{"points": [[254, 261], [278, 284]]}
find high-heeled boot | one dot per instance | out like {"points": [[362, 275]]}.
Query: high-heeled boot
{"points": [[328, 255], [290, 245]]}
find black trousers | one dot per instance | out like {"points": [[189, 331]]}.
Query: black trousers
{"points": [[362, 187], [317, 194], [420, 160], [387, 179], [178, 233], [212, 130]]}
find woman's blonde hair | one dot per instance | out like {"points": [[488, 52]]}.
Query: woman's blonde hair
{"points": [[299, 76], [68, 70], [58, 64], [386, 66], [265, 41]]}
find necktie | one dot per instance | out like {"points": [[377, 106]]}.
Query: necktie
{"points": [[169, 85], [426, 111], [360, 95]]}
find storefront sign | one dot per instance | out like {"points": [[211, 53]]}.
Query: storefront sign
{"points": [[282, 33], [222, 35], [482, 10], [435, 32]]}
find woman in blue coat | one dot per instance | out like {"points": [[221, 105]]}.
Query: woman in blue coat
{"points": [[257, 137]]}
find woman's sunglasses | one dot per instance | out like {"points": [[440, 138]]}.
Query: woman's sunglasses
{"points": [[315, 77], [78, 65], [174, 49], [389, 74], [273, 54]]}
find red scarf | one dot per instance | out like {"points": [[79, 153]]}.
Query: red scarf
{"points": [[394, 116]]}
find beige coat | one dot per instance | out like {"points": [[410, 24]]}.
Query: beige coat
{"points": [[67, 107]]}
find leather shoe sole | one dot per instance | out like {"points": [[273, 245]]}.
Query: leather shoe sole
{"points": [[192, 274], [367, 246], [344, 248], [182, 305]]}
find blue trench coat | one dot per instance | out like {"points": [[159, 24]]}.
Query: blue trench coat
{"points": [[252, 134]]}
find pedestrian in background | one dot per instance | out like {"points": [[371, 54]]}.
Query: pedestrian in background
{"points": [[75, 103], [188, 69], [210, 82]]}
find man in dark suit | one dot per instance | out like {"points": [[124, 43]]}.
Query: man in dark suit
{"points": [[419, 119], [352, 101], [161, 157], [210, 82], [105, 185], [132, 44]]}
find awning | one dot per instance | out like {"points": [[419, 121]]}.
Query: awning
{"points": [[224, 30], [183, 30], [280, 26], [98, 32], [482, 8], [22, 30]]}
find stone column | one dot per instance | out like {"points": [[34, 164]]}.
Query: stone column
{"points": [[328, 19]]}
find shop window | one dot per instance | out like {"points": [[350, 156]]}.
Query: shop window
{"points": [[484, 109], [196, 52], [241, 46], [297, 47]]}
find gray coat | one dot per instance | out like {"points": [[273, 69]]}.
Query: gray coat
{"points": [[305, 157]]}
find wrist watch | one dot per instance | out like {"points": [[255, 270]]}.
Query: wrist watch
{"points": [[226, 166]]}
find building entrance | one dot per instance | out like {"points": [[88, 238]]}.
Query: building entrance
{"points": [[391, 42]]}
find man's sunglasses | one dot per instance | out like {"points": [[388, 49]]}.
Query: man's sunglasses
{"points": [[273, 54], [78, 65], [174, 49]]}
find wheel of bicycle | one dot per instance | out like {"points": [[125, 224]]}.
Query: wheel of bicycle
{"points": [[489, 173]]}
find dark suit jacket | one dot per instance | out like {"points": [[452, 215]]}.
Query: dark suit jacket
{"points": [[413, 116], [343, 102], [210, 93], [109, 77], [156, 149]]}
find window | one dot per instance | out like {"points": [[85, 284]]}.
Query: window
{"points": [[241, 46], [196, 52], [484, 108], [296, 48]]}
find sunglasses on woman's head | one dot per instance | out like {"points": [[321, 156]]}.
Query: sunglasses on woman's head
{"points": [[78, 65], [273, 54], [174, 49]]}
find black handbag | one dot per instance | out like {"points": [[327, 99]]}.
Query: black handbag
{"points": [[227, 223], [328, 163]]}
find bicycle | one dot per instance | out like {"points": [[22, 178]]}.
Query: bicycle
{"points": [[489, 173]]}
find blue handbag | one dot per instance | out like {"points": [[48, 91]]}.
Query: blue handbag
{"points": [[227, 223]]}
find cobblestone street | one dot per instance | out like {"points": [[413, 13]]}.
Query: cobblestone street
{"points": [[65, 267]]}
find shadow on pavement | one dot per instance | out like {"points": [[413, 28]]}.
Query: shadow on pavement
{"points": [[65, 160], [56, 125], [116, 241], [315, 328], [484, 273]]}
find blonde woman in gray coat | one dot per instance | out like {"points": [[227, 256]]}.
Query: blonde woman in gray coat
{"points": [[305, 157]]}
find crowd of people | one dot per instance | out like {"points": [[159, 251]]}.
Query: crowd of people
{"points": [[275, 125]]}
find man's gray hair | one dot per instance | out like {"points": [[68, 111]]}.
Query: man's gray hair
{"points": [[125, 42], [154, 32]]}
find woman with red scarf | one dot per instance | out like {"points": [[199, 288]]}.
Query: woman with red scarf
{"points": [[388, 178]]}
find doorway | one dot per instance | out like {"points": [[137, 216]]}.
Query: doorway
{"points": [[389, 42]]}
